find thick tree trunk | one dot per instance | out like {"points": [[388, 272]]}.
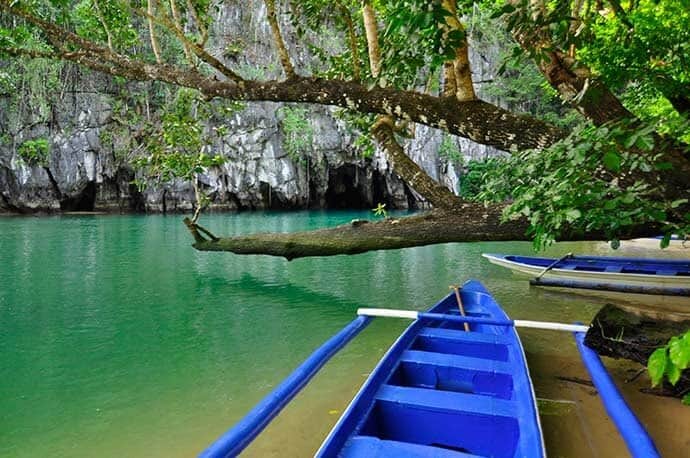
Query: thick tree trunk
{"points": [[621, 333], [459, 68], [469, 222], [438, 195]]}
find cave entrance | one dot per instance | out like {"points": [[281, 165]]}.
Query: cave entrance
{"points": [[348, 187], [82, 202]]}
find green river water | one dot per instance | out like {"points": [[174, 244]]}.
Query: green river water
{"points": [[119, 339]]}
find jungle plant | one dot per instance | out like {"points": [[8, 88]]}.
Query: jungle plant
{"points": [[670, 361], [575, 185], [380, 210], [35, 152], [298, 133], [177, 149]]}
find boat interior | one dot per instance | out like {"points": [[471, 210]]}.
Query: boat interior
{"points": [[443, 391]]}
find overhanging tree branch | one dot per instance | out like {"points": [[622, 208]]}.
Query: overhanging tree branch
{"points": [[438, 195], [470, 222]]}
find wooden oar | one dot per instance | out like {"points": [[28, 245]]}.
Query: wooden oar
{"points": [[456, 288], [413, 315], [551, 266]]}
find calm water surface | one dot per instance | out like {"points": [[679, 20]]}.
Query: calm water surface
{"points": [[119, 339]]}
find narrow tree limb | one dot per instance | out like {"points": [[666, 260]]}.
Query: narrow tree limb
{"points": [[178, 26], [278, 39], [352, 38], [372, 34], [155, 47], [101, 18], [189, 45], [203, 30]]}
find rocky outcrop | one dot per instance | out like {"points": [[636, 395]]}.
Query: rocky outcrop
{"points": [[87, 172]]}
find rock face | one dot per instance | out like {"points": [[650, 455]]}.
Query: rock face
{"points": [[86, 172]]}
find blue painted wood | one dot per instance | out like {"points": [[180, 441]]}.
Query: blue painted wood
{"points": [[605, 273], [441, 391], [239, 436], [607, 263], [635, 436]]}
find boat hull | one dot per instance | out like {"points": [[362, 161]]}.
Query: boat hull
{"points": [[612, 274], [441, 391]]}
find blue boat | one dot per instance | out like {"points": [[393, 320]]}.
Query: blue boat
{"points": [[632, 275], [454, 384], [439, 391]]}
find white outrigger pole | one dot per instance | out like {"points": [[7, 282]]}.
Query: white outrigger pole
{"points": [[413, 315]]}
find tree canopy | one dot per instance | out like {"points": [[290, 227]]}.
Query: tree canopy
{"points": [[619, 170]]}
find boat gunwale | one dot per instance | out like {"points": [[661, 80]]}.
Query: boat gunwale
{"points": [[569, 272]]}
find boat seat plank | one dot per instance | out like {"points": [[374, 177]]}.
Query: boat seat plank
{"points": [[373, 447], [479, 337], [447, 401], [460, 362]]}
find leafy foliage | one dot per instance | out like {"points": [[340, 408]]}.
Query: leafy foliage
{"points": [[298, 133], [589, 182], [35, 152], [380, 210], [475, 175], [177, 149], [670, 361]]}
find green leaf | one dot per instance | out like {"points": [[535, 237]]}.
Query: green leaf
{"points": [[672, 372], [686, 399], [645, 142], [612, 161], [678, 203], [665, 241], [572, 214], [679, 351], [656, 365]]}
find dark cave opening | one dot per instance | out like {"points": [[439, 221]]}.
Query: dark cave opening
{"points": [[82, 202], [347, 188]]}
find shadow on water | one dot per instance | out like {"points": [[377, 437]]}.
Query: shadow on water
{"points": [[284, 292]]}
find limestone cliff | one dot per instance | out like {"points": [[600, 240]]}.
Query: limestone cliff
{"points": [[86, 168]]}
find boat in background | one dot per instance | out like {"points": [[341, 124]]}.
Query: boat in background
{"points": [[632, 275]]}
